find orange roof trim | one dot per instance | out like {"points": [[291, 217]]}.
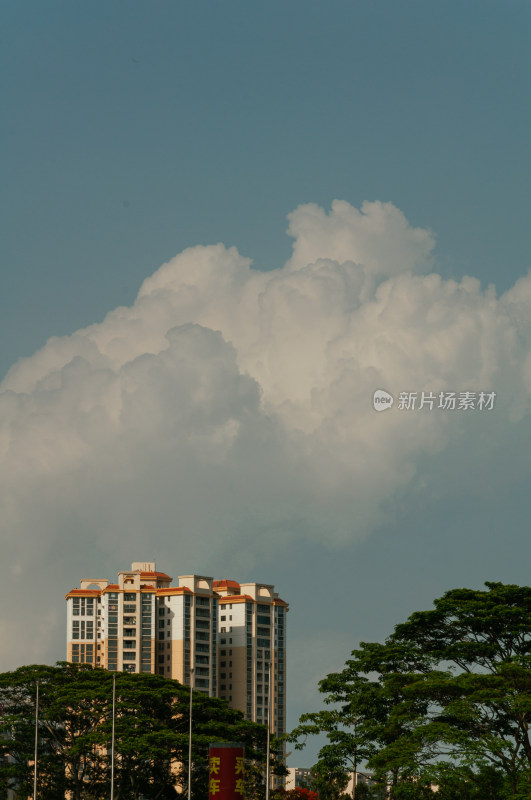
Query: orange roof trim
{"points": [[83, 593], [173, 590], [155, 575], [226, 585], [236, 598]]}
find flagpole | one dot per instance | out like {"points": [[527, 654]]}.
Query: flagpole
{"points": [[268, 729], [112, 737], [190, 739], [36, 742]]}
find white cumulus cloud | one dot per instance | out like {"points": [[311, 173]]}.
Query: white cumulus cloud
{"points": [[229, 410]]}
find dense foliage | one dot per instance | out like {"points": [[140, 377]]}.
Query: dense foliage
{"points": [[151, 736], [298, 793], [445, 701]]}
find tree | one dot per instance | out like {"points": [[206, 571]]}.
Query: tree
{"points": [[359, 725], [151, 733], [477, 690], [445, 700], [298, 793], [329, 779]]}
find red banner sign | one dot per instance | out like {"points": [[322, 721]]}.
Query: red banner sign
{"points": [[226, 771]]}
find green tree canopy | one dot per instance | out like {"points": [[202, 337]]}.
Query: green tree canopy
{"points": [[75, 719], [446, 700]]}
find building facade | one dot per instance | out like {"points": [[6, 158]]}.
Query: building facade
{"points": [[227, 638]]}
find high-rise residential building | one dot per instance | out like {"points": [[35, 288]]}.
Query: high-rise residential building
{"points": [[252, 650], [228, 638]]}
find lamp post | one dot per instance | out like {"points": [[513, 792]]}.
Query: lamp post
{"points": [[36, 742], [112, 736], [268, 729], [190, 738]]}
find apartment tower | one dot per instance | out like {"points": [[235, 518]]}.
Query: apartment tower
{"points": [[228, 638]]}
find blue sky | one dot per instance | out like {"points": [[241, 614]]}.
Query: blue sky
{"points": [[135, 130]]}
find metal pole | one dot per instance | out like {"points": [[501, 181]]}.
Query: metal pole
{"points": [[112, 737], [355, 775], [36, 742], [190, 740], [268, 729]]}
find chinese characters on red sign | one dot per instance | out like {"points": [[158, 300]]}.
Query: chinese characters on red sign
{"points": [[226, 771]]}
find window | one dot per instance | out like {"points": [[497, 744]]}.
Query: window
{"points": [[223, 618], [129, 608], [82, 629], [130, 597], [128, 656], [262, 620], [82, 653], [83, 606]]}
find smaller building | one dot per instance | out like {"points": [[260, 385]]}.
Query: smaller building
{"points": [[302, 777], [298, 777]]}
